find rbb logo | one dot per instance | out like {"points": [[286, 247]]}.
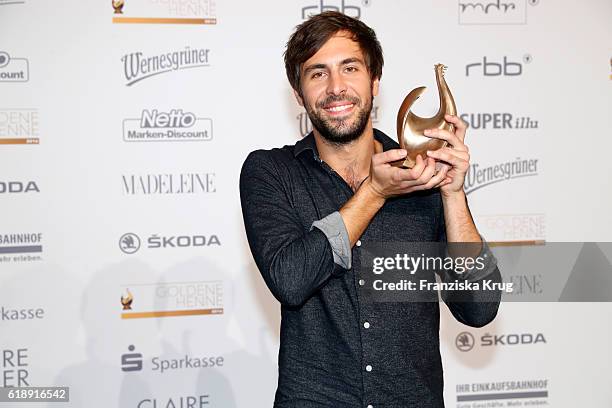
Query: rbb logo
{"points": [[174, 119], [18, 187], [488, 68]]}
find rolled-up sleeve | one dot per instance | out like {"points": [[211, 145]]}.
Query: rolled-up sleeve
{"points": [[294, 263], [334, 229]]}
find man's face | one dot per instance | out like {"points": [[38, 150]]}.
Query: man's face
{"points": [[337, 90]]}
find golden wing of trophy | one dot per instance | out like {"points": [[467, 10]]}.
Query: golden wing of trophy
{"points": [[410, 127]]}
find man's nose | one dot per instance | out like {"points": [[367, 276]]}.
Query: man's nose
{"points": [[336, 84]]}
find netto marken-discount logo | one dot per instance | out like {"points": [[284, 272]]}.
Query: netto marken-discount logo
{"points": [[19, 126], [340, 6], [137, 66], [172, 126], [478, 177], [13, 69], [494, 11], [164, 12]]}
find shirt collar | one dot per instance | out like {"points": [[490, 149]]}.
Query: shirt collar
{"points": [[308, 143]]}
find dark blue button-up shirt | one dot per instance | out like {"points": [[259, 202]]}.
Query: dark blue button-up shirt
{"points": [[336, 350]]}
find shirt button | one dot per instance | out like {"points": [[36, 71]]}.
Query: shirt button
{"points": [[358, 243], [370, 406], [366, 325], [368, 368], [361, 282]]}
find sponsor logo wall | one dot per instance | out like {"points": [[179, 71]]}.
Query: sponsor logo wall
{"points": [[122, 136]]}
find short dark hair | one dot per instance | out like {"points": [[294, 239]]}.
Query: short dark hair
{"points": [[312, 34]]}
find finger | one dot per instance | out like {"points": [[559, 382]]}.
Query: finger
{"points": [[435, 180], [452, 159], [457, 153], [415, 172], [460, 125], [388, 156], [442, 134]]}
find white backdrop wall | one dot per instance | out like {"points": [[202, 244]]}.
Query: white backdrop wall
{"points": [[91, 213]]}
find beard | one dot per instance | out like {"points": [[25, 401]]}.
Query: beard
{"points": [[340, 131]]}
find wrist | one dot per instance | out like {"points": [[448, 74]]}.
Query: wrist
{"points": [[372, 194], [453, 196]]}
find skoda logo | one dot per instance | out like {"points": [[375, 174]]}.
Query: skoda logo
{"points": [[129, 243], [464, 341]]}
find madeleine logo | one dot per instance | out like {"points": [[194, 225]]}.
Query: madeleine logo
{"points": [[173, 299], [164, 12], [19, 126], [137, 66], [13, 69], [494, 11]]}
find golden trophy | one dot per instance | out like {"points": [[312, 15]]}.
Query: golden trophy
{"points": [[410, 127], [118, 6]]}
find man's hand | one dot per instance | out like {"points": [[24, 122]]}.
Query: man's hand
{"points": [[387, 181], [456, 154]]}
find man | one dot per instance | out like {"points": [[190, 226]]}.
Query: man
{"points": [[309, 208]]}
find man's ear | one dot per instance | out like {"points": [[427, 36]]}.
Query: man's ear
{"points": [[375, 85], [298, 97]]}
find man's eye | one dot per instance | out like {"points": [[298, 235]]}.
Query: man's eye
{"points": [[351, 69], [317, 75]]}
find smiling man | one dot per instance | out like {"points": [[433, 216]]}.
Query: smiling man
{"points": [[309, 208]]}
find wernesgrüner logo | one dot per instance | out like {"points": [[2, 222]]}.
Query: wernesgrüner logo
{"points": [[137, 66], [13, 69], [478, 177], [164, 12], [172, 126], [19, 126]]}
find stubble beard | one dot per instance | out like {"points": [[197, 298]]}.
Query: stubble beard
{"points": [[340, 131]]}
